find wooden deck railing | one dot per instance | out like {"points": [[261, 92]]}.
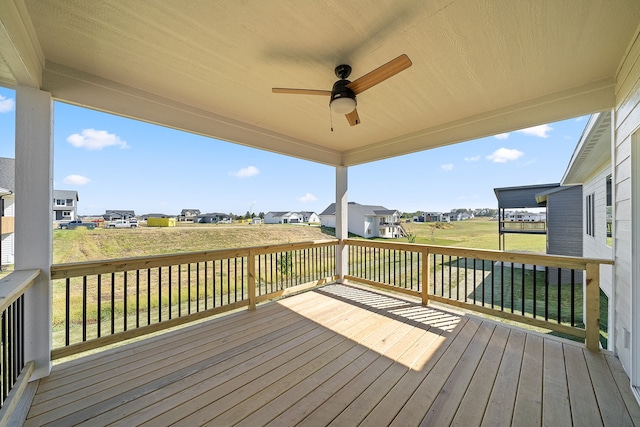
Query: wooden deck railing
{"points": [[98, 303], [540, 290], [14, 369]]}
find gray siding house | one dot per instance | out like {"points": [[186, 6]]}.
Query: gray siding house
{"points": [[65, 205], [111, 215], [564, 220]]}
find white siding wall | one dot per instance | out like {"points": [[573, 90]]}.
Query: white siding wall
{"points": [[357, 222], [328, 221], [596, 246], [270, 219], [626, 122]]}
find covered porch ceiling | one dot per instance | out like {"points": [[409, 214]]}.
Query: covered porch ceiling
{"points": [[479, 67]]}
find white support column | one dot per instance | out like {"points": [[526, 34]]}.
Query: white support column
{"points": [[342, 221], [34, 218]]}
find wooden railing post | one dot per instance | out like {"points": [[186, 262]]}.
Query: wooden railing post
{"points": [[426, 268], [592, 310], [252, 280]]}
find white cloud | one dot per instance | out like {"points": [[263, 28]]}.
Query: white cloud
{"points": [[308, 198], [504, 155], [502, 136], [76, 180], [246, 172], [541, 131], [6, 104], [472, 159], [447, 167], [92, 139]]}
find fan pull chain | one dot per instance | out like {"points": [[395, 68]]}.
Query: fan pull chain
{"points": [[331, 119]]}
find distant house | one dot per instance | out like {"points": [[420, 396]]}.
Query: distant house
{"points": [[65, 205], [7, 189], [211, 218], [432, 217], [111, 215], [459, 216], [288, 217], [309, 216], [366, 220], [188, 214], [155, 215]]}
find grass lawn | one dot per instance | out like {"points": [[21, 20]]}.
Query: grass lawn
{"points": [[476, 233]]}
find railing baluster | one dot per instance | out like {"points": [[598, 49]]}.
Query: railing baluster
{"points": [[170, 285], [189, 288], [84, 308], [99, 314], [125, 290], [67, 314], [522, 289], [501, 286], [159, 294], [113, 303], [535, 289], [137, 298], [148, 296]]}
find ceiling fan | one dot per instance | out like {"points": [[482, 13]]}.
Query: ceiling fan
{"points": [[343, 94]]}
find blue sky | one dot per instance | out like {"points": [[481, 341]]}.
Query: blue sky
{"points": [[118, 163]]}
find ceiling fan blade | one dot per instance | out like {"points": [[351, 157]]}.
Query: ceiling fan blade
{"points": [[380, 74], [301, 91], [353, 117]]}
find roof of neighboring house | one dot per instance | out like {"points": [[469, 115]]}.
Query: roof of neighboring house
{"points": [[543, 196], [156, 215], [190, 211], [213, 214], [7, 174], [370, 210], [278, 213], [66, 194], [119, 212], [522, 197]]}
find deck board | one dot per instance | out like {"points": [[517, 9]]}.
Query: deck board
{"points": [[340, 355]]}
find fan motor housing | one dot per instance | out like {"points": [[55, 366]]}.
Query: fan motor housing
{"points": [[340, 90]]}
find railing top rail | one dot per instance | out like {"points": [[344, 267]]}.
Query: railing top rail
{"points": [[15, 285], [487, 254], [87, 268]]}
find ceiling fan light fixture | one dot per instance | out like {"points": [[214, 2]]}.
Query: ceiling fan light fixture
{"points": [[343, 105]]}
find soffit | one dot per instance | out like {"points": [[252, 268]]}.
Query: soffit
{"points": [[479, 68]]}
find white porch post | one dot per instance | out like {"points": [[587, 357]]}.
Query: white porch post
{"points": [[342, 229], [34, 218]]}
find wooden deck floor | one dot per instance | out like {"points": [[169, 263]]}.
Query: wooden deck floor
{"points": [[340, 356]]}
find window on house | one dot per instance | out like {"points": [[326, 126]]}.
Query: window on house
{"points": [[60, 202], [609, 212], [69, 202], [589, 215], [66, 214]]}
